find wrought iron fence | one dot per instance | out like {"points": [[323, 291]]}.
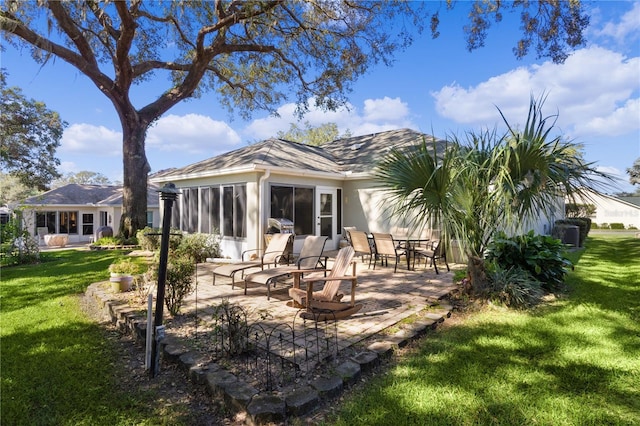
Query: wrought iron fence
{"points": [[273, 355]]}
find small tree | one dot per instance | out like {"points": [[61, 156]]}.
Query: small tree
{"points": [[30, 135], [310, 135], [634, 172], [473, 188]]}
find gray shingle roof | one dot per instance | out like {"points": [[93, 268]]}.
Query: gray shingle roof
{"points": [[355, 154], [77, 194]]}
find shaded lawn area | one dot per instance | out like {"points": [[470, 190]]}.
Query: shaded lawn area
{"points": [[574, 361], [58, 366]]}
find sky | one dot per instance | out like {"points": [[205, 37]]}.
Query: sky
{"points": [[434, 86]]}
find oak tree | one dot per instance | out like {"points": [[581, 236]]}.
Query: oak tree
{"points": [[254, 54], [30, 134]]}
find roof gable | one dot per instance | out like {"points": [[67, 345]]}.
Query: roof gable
{"points": [[78, 194], [357, 154]]}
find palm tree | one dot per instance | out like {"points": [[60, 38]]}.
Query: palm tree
{"points": [[489, 182]]}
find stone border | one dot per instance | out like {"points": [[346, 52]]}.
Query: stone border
{"points": [[237, 395]]}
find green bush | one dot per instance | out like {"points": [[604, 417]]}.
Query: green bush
{"points": [[594, 226], [540, 255], [180, 270], [514, 286], [199, 246], [616, 225], [148, 239], [604, 225], [17, 246]]}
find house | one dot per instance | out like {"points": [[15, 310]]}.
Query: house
{"points": [[316, 189], [79, 210], [610, 209], [248, 192]]}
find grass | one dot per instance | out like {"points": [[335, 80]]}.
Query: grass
{"points": [[57, 366], [574, 361]]}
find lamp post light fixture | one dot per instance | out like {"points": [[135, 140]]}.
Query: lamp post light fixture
{"points": [[168, 194]]}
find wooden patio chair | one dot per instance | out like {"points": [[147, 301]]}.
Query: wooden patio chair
{"points": [[361, 245], [309, 259], [433, 251], [387, 247], [255, 258], [326, 304]]}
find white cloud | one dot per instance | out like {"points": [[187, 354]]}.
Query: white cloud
{"points": [[377, 115], [90, 139], [627, 28], [592, 89], [191, 133], [622, 120]]}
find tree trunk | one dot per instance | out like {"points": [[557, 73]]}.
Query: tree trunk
{"points": [[135, 168], [477, 274]]}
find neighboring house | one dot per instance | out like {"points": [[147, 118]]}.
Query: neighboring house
{"points": [[319, 190], [79, 210], [610, 209]]}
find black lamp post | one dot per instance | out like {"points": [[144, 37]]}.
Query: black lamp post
{"points": [[168, 194]]}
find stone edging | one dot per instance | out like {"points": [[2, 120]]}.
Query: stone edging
{"points": [[241, 397]]}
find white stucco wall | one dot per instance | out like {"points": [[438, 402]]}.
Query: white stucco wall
{"points": [[612, 210]]}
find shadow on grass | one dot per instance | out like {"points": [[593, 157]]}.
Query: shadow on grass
{"points": [[571, 362]]}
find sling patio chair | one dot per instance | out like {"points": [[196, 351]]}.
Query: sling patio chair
{"points": [[433, 251], [326, 304], [309, 259], [361, 244], [271, 256], [387, 247]]}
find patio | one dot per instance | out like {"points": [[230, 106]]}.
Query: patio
{"points": [[387, 299]]}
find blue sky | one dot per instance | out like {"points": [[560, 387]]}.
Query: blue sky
{"points": [[435, 86]]}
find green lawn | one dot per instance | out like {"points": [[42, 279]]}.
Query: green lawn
{"points": [[575, 361], [57, 366]]}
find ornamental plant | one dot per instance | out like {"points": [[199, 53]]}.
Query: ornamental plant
{"points": [[542, 256]]}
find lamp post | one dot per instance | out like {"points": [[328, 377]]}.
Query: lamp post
{"points": [[168, 194]]}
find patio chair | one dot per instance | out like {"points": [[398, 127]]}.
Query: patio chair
{"points": [[386, 247], [361, 245], [433, 251], [309, 258], [271, 256], [326, 304]]}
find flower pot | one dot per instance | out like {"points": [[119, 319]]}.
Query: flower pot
{"points": [[125, 282], [115, 283]]}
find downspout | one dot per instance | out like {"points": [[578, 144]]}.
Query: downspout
{"points": [[261, 201]]}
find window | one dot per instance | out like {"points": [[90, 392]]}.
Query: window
{"points": [[103, 218], [210, 210], [234, 206], [296, 204], [46, 220], [150, 219], [339, 207], [87, 224], [68, 222]]}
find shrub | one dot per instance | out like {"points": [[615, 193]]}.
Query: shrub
{"points": [[17, 246], [604, 225], [199, 246], [127, 266], [633, 228], [594, 226], [540, 255], [616, 225], [514, 286], [579, 210], [179, 281], [148, 239]]}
